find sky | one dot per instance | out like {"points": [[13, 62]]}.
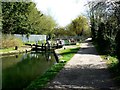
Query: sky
{"points": [[62, 11]]}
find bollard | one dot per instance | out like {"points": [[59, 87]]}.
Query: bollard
{"points": [[16, 47], [42, 46], [57, 46], [56, 57]]}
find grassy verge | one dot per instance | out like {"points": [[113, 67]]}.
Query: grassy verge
{"points": [[6, 50], [42, 81], [113, 65]]}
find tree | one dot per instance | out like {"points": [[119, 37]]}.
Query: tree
{"points": [[48, 25], [14, 17], [117, 38], [60, 31], [79, 25], [106, 12], [0, 17], [24, 18]]}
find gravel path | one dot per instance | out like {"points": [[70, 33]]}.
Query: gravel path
{"points": [[86, 71]]}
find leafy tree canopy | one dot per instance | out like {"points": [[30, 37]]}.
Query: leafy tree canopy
{"points": [[78, 26], [24, 18]]}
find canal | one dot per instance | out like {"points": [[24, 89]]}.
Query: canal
{"points": [[19, 70]]}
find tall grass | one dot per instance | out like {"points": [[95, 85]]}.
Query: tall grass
{"points": [[8, 41]]}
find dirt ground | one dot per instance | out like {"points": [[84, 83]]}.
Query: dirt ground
{"points": [[86, 71]]}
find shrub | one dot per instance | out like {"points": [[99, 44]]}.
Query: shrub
{"points": [[118, 45], [102, 43]]}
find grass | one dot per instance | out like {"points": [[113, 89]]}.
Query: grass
{"points": [[8, 43], [113, 65], [42, 81], [6, 50], [30, 43]]}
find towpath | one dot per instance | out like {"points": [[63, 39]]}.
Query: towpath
{"points": [[86, 71]]}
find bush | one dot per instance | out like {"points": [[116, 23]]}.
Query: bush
{"points": [[9, 41], [118, 45], [111, 45], [101, 41]]}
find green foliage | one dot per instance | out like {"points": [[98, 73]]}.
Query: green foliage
{"points": [[114, 67], [24, 18], [9, 41], [93, 31], [87, 32], [79, 26], [104, 17], [6, 50], [42, 81], [0, 17], [60, 31], [118, 44], [113, 64], [100, 37], [14, 17]]}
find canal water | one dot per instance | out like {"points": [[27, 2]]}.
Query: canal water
{"points": [[18, 71]]}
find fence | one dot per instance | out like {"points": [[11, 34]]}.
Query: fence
{"points": [[31, 38]]}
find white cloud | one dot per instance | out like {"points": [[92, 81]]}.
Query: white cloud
{"points": [[63, 11]]}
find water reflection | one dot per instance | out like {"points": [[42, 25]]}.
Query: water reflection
{"points": [[16, 56], [48, 57], [19, 70]]}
